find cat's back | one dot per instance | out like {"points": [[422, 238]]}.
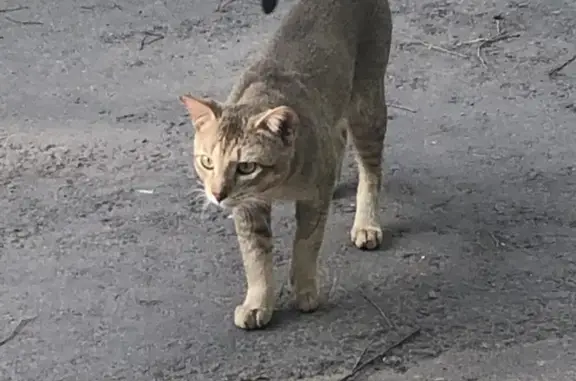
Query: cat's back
{"points": [[320, 33]]}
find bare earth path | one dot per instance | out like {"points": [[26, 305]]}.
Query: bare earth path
{"points": [[102, 242]]}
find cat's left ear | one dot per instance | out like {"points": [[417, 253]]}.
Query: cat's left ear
{"points": [[281, 121], [201, 110]]}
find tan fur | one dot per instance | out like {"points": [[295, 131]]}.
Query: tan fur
{"points": [[281, 135]]}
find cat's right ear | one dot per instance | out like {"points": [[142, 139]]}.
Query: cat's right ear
{"points": [[201, 110]]}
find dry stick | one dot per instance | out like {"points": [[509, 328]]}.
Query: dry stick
{"points": [[556, 70], [442, 204], [19, 8], [359, 359], [23, 22], [490, 41], [223, 4], [145, 41], [470, 42], [377, 308], [23, 323], [384, 318], [498, 19], [381, 354], [332, 287], [438, 48], [401, 108]]}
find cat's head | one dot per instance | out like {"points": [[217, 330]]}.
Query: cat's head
{"points": [[242, 153]]}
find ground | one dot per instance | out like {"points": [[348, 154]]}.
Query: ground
{"points": [[105, 244]]}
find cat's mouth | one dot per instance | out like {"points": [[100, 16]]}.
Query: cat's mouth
{"points": [[223, 204], [226, 204], [230, 203]]}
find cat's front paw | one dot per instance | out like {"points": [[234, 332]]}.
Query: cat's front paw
{"points": [[247, 317], [366, 238], [307, 300]]}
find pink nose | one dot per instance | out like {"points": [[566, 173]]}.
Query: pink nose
{"points": [[219, 196]]}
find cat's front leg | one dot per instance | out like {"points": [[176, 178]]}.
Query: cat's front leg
{"points": [[311, 219], [255, 240]]}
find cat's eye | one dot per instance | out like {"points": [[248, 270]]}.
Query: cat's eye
{"points": [[206, 162], [246, 168]]}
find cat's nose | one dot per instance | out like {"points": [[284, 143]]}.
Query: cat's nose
{"points": [[219, 195]]}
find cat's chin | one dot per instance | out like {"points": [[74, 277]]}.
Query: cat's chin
{"points": [[227, 205]]}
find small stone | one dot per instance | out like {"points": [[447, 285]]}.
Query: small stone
{"points": [[392, 360]]}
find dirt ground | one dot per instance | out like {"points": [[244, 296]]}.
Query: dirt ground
{"points": [[104, 245]]}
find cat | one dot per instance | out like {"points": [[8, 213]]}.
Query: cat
{"points": [[281, 135]]}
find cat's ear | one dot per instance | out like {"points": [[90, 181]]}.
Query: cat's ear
{"points": [[201, 110], [281, 121]]}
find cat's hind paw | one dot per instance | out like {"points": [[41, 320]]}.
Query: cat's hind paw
{"points": [[307, 301]]}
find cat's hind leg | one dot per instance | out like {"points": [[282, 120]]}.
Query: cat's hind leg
{"points": [[340, 146], [311, 216], [367, 117]]}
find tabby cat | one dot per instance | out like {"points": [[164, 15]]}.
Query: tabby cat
{"points": [[281, 135]]}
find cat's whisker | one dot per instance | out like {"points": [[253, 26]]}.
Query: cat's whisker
{"points": [[207, 204], [197, 191], [195, 199]]}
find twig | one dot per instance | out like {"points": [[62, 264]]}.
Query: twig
{"points": [[19, 8], [145, 41], [384, 318], [438, 48], [377, 308], [23, 323], [557, 69], [359, 359], [144, 302], [442, 204], [124, 117], [23, 22], [223, 4], [490, 41], [495, 240], [332, 287], [381, 354], [470, 42], [498, 19], [401, 107]]}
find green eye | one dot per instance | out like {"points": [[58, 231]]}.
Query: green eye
{"points": [[206, 162], [246, 168]]}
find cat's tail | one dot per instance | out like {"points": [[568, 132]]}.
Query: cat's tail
{"points": [[268, 6]]}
